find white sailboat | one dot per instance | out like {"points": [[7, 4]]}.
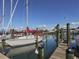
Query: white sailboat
{"points": [[21, 44]]}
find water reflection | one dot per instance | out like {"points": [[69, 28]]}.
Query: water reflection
{"points": [[49, 47]]}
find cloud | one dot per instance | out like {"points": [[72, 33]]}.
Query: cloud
{"points": [[75, 23]]}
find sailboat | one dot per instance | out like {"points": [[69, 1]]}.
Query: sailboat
{"points": [[22, 44]]}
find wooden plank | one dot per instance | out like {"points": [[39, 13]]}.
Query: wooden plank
{"points": [[3, 56], [60, 52]]}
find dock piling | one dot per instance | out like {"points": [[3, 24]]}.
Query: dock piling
{"points": [[36, 35], [40, 48], [68, 34], [57, 34], [41, 52], [3, 46], [61, 34], [73, 35], [12, 33], [69, 54], [36, 41]]}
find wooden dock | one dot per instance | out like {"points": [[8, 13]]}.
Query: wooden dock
{"points": [[3, 56], [60, 52]]}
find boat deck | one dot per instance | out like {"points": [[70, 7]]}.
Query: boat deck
{"points": [[19, 42]]}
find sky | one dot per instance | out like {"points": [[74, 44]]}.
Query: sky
{"points": [[42, 12]]}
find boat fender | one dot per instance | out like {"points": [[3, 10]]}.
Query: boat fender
{"points": [[36, 51]]}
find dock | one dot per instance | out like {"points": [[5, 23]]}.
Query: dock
{"points": [[3, 56], [60, 52]]}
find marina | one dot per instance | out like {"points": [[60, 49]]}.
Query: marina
{"points": [[31, 29]]}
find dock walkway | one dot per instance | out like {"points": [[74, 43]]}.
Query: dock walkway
{"points": [[3, 56], [60, 52]]}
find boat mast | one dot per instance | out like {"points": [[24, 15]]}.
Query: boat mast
{"points": [[27, 13], [3, 17], [11, 12], [27, 16]]}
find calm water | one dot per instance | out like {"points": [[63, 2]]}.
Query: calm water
{"points": [[49, 47]]}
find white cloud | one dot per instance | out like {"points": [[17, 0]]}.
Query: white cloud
{"points": [[75, 23]]}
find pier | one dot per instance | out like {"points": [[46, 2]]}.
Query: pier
{"points": [[63, 51], [3, 56], [60, 52]]}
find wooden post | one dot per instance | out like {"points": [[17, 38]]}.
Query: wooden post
{"points": [[37, 42], [3, 46], [73, 35], [57, 34], [41, 52], [36, 35], [12, 33], [69, 54], [68, 34], [40, 47], [61, 35]]}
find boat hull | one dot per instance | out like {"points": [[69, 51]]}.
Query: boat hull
{"points": [[20, 50]]}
